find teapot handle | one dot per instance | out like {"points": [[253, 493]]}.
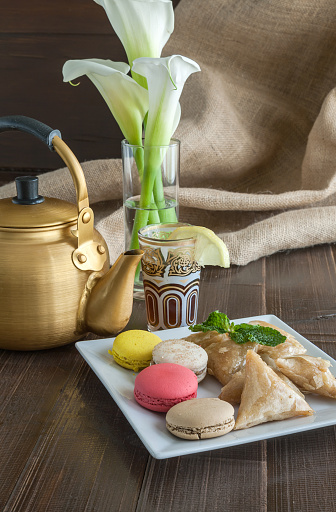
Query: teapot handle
{"points": [[53, 139], [88, 255]]}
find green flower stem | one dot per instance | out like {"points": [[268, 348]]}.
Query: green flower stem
{"points": [[153, 216], [148, 211], [138, 154], [140, 220], [142, 214], [152, 194], [166, 214]]}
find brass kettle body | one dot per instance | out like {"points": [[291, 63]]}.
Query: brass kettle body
{"points": [[55, 280]]}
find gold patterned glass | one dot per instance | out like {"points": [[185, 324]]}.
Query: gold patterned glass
{"points": [[170, 277]]}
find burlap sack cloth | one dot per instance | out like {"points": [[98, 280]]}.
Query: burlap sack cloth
{"points": [[258, 128]]}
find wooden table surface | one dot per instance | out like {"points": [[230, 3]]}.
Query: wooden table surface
{"points": [[65, 445]]}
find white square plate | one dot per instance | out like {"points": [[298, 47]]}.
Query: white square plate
{"points": [[150, 426]]}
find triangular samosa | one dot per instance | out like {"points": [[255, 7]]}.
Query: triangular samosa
{"points": [[290, 347], [225, 357], [310, 374], [266, 397]]}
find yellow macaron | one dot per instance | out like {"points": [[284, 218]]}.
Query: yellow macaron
{"points": [[133, 349]]}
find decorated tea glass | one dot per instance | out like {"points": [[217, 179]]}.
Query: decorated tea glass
{"points": [[171, 277]]}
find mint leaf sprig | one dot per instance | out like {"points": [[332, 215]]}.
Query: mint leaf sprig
{"points": [[240, 333], [216, 321]]}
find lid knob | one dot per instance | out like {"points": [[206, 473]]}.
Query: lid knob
{"points": [[27, 190]]}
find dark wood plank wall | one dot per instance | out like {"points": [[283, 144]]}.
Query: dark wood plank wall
{"points": [[37, 37]]}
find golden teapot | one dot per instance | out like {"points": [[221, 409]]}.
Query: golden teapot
{"points": [[55, 280]]}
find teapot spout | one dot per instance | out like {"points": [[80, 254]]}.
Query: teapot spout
{"points": [[110, 302]]}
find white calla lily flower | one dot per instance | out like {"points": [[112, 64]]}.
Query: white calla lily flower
{"points": [[177, 118], [126, 99], [143, 26], [150, 98], [165, 78]]}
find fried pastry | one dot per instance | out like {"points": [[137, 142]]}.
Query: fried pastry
{"points": [[290, 347], [225, 357], [206, 339], [232, 391], [309, 374], [272, 364], [266, 397]]}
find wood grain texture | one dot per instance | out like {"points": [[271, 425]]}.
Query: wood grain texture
{"points": [[67, 442], [301, 472], [35, 88], [64, 444], [175, 484]]}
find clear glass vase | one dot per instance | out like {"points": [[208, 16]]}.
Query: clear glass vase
{"points": [[150, 191]]}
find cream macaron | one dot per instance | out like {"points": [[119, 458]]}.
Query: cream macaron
{"points": [[184, 353], [200, 418]]}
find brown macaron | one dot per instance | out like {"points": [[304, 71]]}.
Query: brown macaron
{"points": [[200, 418]]}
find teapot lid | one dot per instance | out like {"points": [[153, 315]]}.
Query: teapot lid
{"points": [[30, 210]]}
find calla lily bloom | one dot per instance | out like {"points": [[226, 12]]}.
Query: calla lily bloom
{"points": [[165, 78], [151, 97], [143, 26], [126, 99]]}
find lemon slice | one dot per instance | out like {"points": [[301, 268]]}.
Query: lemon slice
{"points": [[209, 248]]}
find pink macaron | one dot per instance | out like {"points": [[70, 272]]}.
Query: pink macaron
{"points": [[161, 386]]}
